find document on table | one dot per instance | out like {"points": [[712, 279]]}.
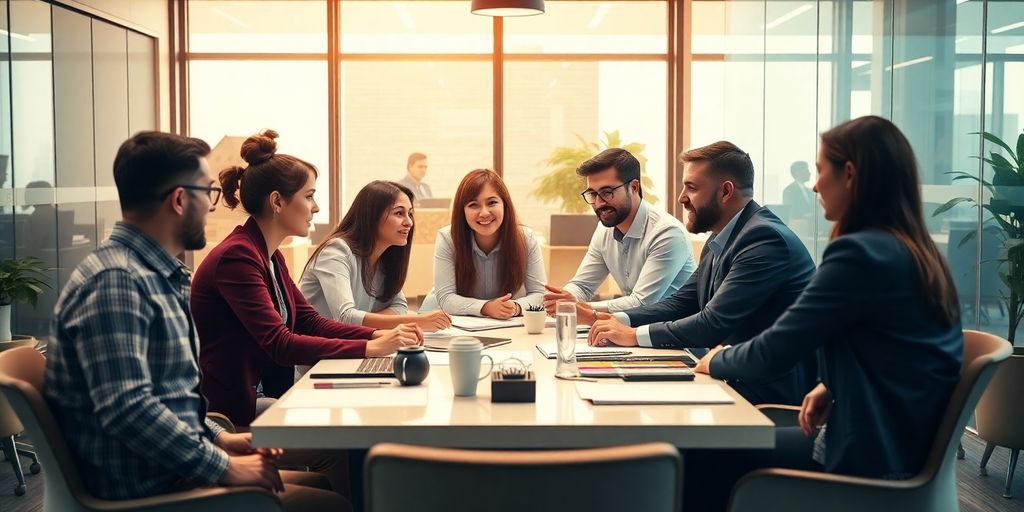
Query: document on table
{"points": [[388, 396], [652, 393], [550, 350], [476, 323], [526, 356]]}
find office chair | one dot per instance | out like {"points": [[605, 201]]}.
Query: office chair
{"points": [[933, 489], [21, 382], [10, 427], [1000, 413], [640, 477]]}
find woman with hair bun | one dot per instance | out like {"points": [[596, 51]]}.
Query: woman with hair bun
{"points": [[250, 316]]}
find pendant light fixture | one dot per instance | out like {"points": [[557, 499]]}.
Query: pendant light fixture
{"points": [[507, 7]]}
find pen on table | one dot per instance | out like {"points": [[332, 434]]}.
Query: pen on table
{"points": [[347, 385]]}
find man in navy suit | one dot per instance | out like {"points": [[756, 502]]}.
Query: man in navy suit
{"points": [[751, 269]]}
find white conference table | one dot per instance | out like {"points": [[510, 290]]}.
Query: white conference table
{"points": [[430, 414]]}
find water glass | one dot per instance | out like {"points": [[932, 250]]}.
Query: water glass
{"points": [[565, 338]]}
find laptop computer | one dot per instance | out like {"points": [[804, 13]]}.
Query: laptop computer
{"points": [[384, 367]]}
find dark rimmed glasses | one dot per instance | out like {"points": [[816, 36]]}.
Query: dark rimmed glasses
{"points": [[211, 191], [606, 194]]}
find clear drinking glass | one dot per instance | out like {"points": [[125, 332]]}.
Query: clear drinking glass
{"points": [[565, 338]]}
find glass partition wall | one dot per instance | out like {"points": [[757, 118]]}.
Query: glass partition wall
{"points": [[772, 75]]}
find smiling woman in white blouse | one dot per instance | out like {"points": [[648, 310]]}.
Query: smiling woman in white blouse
{"points": [[485, 263], [356, 274]]}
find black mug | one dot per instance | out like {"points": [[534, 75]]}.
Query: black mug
{"points": [[411, 366]]}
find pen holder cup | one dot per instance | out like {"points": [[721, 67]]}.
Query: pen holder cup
{"points": [[522, 389]]}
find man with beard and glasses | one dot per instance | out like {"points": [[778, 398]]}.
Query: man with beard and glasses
{"points": [[122, 374], [646, 251], [751, 269]]}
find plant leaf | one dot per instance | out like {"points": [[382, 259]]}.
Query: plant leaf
{"points": [[950, 204], [1020, 150], [970, 235], [991, 137]]}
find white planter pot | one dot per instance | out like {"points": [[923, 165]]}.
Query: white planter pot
{"points": [[5, 323]]}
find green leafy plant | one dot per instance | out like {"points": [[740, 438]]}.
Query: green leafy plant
{"points": [[21, 280], [534, 307], [1006, 207], [563, 185]]}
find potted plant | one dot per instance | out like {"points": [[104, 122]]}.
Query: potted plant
{"points": [[1006, 207], [564, 185], [21, 280]]}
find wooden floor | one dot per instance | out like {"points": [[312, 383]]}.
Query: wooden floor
{"points": [[977, 494]]}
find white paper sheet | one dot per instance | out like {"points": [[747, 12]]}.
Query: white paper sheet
{"points": [[615, 393], [475, 323], [389, 396], [550, 350]]}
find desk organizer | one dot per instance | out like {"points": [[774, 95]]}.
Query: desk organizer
{"points": [[519, 389]]}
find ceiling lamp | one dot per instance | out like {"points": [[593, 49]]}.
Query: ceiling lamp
{"points": [[507, 7]]}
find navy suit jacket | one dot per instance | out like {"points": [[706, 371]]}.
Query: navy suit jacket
{"points": [[763, 268], [888, 360]]}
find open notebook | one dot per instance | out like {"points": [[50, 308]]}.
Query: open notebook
{"points": [[477, 323]]}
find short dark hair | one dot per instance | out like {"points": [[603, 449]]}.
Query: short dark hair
{"points": [[266, 172], [627, 167], [725, 159], [151, 162], [413, 158]]}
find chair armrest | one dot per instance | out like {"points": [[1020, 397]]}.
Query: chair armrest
{"points": [[222, 420], [781, 415], [797, 491], [205, 499]]}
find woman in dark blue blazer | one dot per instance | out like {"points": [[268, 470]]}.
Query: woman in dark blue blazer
{"points": [[881, 312]]}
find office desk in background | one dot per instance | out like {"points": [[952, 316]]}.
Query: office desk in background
{"points": [[432, 416]]}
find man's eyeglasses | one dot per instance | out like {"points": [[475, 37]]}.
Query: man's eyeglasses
{"points": [[211, 191], [606, 193]]}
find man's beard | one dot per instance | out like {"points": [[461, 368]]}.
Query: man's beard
{"points": [[620, 213], [705, 217], [193, 232]]}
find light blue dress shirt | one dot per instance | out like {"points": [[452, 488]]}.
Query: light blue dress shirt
{"points": [[716, 244], [488, 277], [650, 261], [333, 285]]}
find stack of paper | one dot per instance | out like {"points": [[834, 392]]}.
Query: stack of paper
{"points": [[475, 323], [651, 393], [550, 350]]}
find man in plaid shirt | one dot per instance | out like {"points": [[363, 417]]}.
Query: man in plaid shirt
{"points": [[122, 374]]}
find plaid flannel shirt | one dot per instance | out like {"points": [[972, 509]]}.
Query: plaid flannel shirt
{"points": [[121, 374]]}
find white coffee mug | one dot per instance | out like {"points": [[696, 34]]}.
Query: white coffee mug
{"points": [[464, 362]]}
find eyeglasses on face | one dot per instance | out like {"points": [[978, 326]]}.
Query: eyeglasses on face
{"points": [[606, 193], [212, 192]]}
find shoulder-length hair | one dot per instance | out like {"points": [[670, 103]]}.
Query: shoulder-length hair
{"points": [[359, 229], [512, 259], [887, 196]]}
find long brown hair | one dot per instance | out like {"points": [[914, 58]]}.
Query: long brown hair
{"points": [[266, 172], [359, 229], [887, 196], [513, 248]]}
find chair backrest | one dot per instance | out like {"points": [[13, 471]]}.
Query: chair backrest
{"points": [[982, 354], [1000, 411], [640, 477], [21, 383]]}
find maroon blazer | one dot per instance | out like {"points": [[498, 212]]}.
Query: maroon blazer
{"points": [[241, 332]]}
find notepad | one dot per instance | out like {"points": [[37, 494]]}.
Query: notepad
{"points": [[550, 350], [652, 393], [475, 323]]}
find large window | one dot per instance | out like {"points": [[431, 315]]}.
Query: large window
{"points": [[427, 77]]}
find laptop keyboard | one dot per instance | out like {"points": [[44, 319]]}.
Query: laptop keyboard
{"points": [[377, 365]]}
